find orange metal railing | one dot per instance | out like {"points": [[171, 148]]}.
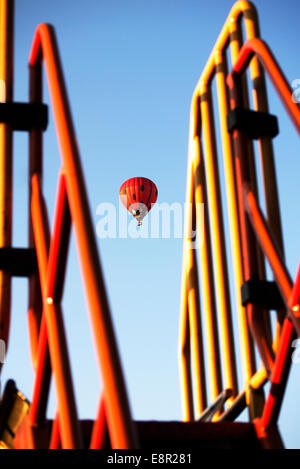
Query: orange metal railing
{"points": [[46, 328], [203, 187], [250, 211], [71, 208]]}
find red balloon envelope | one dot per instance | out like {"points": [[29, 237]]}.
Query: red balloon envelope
{"points": [[138, 195]]}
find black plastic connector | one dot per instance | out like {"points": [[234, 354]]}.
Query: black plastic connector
{"points": [[256, 124], [24, 116], [19, 262], [263, 293]]}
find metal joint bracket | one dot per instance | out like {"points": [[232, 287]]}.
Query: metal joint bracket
{"points": [[263, 293], [19, 262], [256, 124], [24, 116]]}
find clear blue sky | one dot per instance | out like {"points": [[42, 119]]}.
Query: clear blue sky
{"points": [[130, 68]]}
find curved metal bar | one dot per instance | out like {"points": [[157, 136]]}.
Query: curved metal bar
{"points": [[259, 49], [269, 245]]}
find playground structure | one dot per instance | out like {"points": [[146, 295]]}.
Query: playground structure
{"points": [[208, 420]]}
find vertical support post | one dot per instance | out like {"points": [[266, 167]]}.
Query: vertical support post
{"points": [[184, 324], [246, 342], [218, 239], [265, 145], [206, 264], [254, 398], [194, 310], [6, 142], [184, 352], [35, 306]]}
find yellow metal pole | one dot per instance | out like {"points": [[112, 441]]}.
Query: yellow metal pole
{"points": [[218, 239], [208, 292], [6, 95], [184, 358], [190, 333], [247, 356], [196, 331], [184, 327], [204, 249]]}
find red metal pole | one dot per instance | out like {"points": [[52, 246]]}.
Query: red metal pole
{"points": [[282, 363], [263, 53], [100, 436], [279, 376], [70, 429], [289, 293], [55, 280], [55, 442], [59, 243], [248, 240]]}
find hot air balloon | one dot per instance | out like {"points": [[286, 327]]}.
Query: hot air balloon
{"points": [[138, 195]]}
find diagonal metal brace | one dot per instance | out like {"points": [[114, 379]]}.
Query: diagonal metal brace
{"points": [[217, 405]]}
